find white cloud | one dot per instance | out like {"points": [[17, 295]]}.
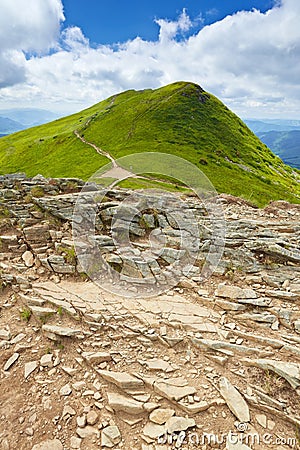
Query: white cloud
{"points": [[251, 60], [31, 26], [169, 29]]}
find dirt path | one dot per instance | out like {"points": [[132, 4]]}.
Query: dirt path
{"points": [[98, 150]]}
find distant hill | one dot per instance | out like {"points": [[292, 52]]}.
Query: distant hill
{"points": [[285, 144], [8, 125], [265, 125], [281, 136], [12, 120], [180, 119]]}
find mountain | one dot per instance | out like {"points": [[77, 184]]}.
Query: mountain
{"points": [[180, 119], [281, 136], [13, 120], [265, 125], [8, 125], [285, 144]]}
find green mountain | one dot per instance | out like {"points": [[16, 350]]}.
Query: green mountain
{"points": [[179, 119]]}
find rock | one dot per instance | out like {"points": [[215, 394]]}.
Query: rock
{"points": [[110, 436], [47, 360], [271, 425], [42, 312], [235, 292], [172, 392], [29, 431], [158, 364], [75, 443], [11, 361], [197, 407], [287, 370], [297, 326], [176, 424], [59, 265], [66, 390], [68, 411], [54, 444], [275, 250], [52, 331], [37, 233], [5, 334], [123, 380], [28, 258], [234, 400], [29, 368], [261, 420], [87, 432], [92, 417], [81, 421], [125, 404], [161, 415], [96, 358], [154, 431]]}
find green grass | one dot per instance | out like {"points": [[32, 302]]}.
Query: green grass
{"points": [[178, 119]]}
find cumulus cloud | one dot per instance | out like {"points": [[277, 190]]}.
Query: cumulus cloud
{"points": [[251, 60], [169, 29], [33, 26]]}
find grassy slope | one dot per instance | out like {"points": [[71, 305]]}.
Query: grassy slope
{"points": [[177, 119]]}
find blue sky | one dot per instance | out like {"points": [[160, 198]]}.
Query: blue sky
{"points": [[113, 21], [66, 55]]}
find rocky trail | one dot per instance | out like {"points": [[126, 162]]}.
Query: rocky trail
{"points": [[209, 364]]}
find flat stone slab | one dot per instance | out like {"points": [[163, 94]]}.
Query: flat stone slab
{"points": [[234, 400], [172, 392], [125, 404], [235, 292], [51, 330], [122, 379]]}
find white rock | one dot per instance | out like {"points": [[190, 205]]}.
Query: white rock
{"points": [[123, 403], [47, 360], [92, 417], [66, 390], [28, 258], [5, 334], [75, 443], [11, 361], [122, 379], [68, 411], [154, 431], [234, 400], [49, 445], [29, 368], [87, 432], [161, 415], [175, 424], [261, 420], [110, 437]]}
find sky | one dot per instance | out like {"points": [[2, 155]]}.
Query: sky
{"points": [[66, 55]]}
